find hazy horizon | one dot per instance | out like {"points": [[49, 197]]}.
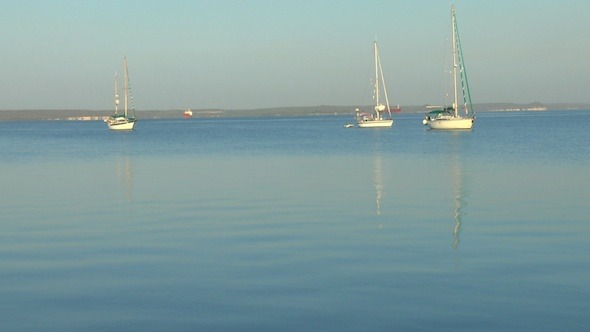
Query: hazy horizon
{"points": [[476, 105], [267, 54]]}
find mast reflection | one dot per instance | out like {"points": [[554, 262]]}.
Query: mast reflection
{"points": [[124, 178], [378, 172], [378, 182], [458, 188]]}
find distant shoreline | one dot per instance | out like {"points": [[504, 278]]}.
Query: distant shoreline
{"points": [[94, 115]]}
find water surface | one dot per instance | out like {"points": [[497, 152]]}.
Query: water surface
{"points": [[296, 224]]}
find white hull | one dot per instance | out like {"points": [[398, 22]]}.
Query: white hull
{"points": [[375, 123], [122, 126], [450, 123]]}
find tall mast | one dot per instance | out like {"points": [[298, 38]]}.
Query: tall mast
{"points": [[116, 96], [125, 82], [455, 101], [377, 104]]}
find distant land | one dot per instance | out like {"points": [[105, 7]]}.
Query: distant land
{"points": [[81, 115]]}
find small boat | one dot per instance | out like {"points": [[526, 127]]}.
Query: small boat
{"points": [[187, 114], [448, 117], [376, 119], [125, 121], [348, 125]]}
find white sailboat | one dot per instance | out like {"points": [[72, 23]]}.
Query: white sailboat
{"points": [[449, 117], [376, 119], [127, 120]]}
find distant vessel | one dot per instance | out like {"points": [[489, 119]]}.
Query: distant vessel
{"points": [[127, 120], [448, 117], [366, 120], [187, 114]]}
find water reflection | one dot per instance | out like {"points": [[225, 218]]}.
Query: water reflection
{"points": [[378, 172], [459, 192], [124, 178], [378, 182], [459, 203]]}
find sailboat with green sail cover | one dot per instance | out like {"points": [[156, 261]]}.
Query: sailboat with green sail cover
{"points": [[449, 117]]}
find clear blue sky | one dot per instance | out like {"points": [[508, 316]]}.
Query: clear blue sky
{"points": [[240, 54]]}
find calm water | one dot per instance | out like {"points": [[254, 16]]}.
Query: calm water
{"points": [[296, 224]]}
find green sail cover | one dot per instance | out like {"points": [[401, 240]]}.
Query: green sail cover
{"points": [[439, 111]]}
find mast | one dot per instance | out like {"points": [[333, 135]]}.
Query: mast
{"points": [[116, 96], [455, 102], [125, 81], [377, 104]]}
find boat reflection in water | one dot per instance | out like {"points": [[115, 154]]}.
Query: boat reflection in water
{"points": [[378, 182], [378, 175], [459, 191], [124, 179], [459, 203]]}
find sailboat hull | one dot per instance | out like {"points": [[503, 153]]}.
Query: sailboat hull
{"points": [[375, 123], [450, 123], [122, 125]]}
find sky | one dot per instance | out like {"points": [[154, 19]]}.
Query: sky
{"points": [[245, 54]]}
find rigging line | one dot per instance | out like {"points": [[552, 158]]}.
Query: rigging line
{"points": [[130, 93], [463, 72], [383, 81]]}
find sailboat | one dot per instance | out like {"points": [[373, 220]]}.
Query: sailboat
{"points": [[448, 117], [364, 120], [127, 120]]}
